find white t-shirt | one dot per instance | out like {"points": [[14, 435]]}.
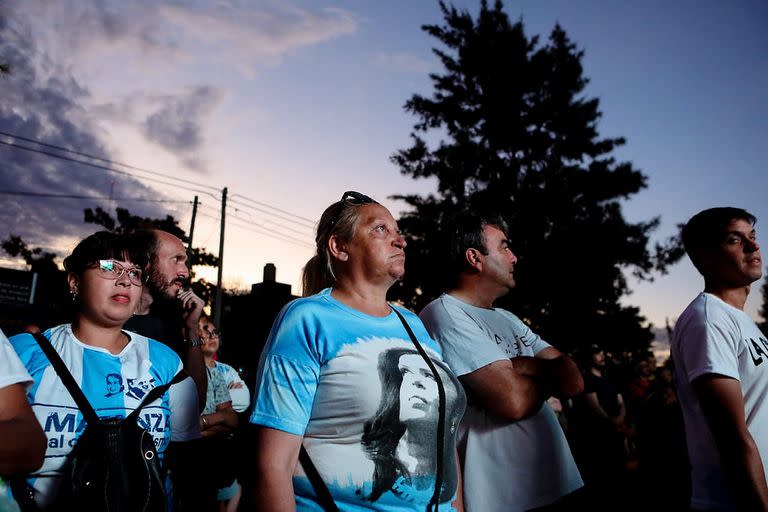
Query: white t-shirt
{"points": [[114, 384], [712, 337], [241, 396], [12, 370], [505, 465]]}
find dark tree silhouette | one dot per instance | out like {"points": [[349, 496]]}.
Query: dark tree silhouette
{"points": [[38, 260], [509, 131]]}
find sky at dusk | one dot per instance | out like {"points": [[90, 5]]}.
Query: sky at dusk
{"points": [[289, 103]]}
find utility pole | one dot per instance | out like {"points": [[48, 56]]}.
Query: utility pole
{"points": [[217, 310], [191, 234], [192, 223]]}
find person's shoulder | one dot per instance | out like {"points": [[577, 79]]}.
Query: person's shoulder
{"points": [[21, 342], [510, 316], [444, 307], [26, 341], [407, 313], [158, 351], [304, 305], [224, 368], [30, 352], [705, 309]]}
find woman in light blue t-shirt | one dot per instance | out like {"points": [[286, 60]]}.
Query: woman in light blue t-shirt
{"points": [[341, 380]]}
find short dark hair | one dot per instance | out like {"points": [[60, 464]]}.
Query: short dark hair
{"points": [[146, 239], [466, 232], [705, 229], [105, 245]]}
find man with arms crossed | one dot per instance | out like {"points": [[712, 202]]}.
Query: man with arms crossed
{"points": [[721, 362], [514, 454]]}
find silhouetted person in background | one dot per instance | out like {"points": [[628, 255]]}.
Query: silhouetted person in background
{"points": [[721, 363], [660, 440], [599, 432]]}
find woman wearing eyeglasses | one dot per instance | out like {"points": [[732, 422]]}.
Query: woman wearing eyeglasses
{"points": [[114, 368], [320, 393]]}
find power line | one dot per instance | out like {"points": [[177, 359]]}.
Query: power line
{"points": [[288, 216], [106, 160], [148, 171], [310, 221], [110, 169], [273, 223], [256, 208], [260, 224], [260, 230], [75, 196]]}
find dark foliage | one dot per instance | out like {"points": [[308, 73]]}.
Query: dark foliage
{"points": [[38, 260], [508, 130]]}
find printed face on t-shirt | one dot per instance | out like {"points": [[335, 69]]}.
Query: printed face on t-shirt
{"points": [[418, 391], [114, 384]]}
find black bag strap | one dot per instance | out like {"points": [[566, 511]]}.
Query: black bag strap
{"points": [[157, 392], [435, 501], [66, 378], [321, 490]]}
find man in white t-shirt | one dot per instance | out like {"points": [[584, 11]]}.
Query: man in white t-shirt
{"points": [[514, 454], [721, 362], [22, 442]]}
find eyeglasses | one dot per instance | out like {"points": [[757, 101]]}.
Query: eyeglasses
{"points": [[210, 332], [110, 269]]}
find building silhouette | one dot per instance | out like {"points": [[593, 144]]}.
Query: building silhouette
{"points": [[247, 319]]}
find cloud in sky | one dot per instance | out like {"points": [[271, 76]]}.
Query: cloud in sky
{"points": [[177, 123], [79, 64], [43, 100], [174, 121], [244, 33]]}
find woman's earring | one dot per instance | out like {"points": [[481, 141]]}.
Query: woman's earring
{"points": [[73, 295]]}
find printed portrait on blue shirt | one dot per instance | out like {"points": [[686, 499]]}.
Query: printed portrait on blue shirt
{"points": [[400, 438]]}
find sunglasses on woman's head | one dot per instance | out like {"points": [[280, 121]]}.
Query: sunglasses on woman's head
{"points": [[350, 196]]}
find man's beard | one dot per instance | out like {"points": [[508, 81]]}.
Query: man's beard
{"points": [[161, 287]]}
